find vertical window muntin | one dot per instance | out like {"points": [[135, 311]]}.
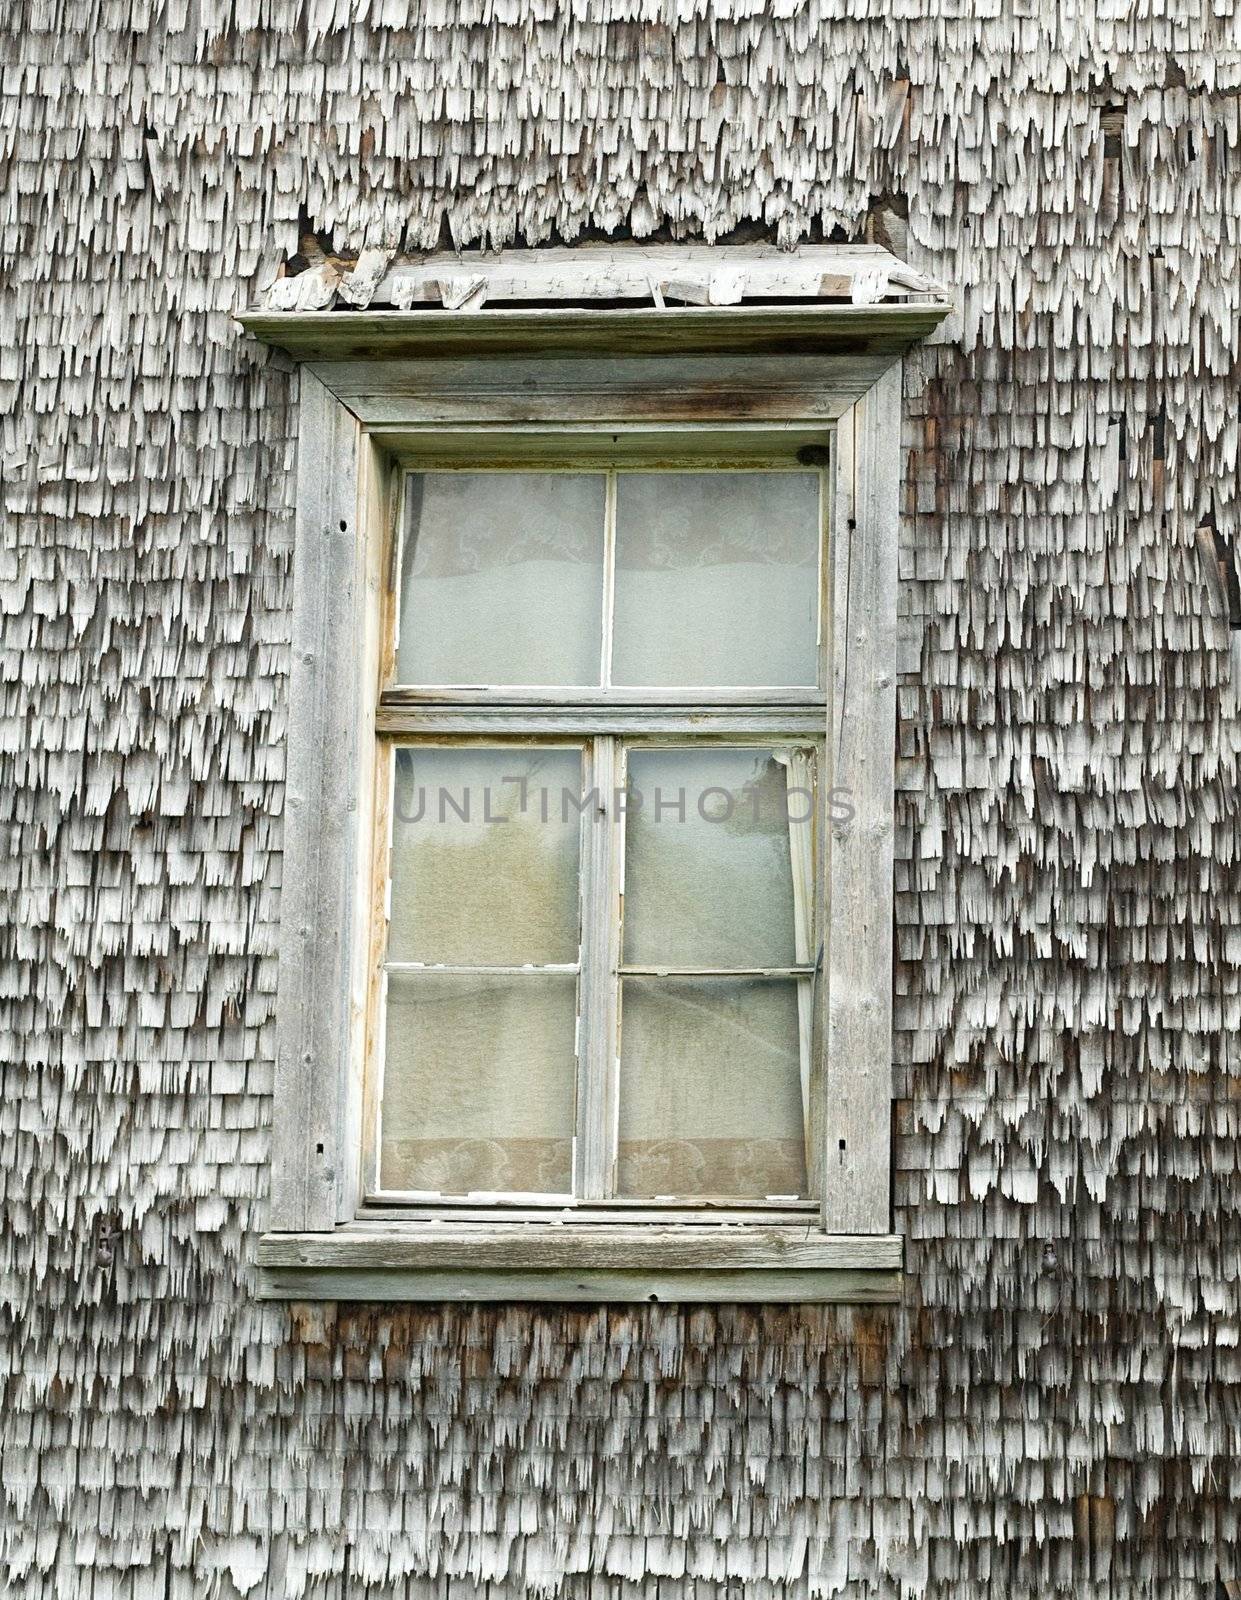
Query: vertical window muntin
{"points": [[607, 754]]}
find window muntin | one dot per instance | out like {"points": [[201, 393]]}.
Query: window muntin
{"points": [[667, 1058]]}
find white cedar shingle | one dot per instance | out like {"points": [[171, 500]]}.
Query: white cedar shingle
{"points": [[1014, 1428]]}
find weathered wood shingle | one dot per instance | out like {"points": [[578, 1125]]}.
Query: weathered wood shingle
{"points": [[1057, 1410]]}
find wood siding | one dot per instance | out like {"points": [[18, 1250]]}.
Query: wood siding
{"points": [[1055, 1408]]}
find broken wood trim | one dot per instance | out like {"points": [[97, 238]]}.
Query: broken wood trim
{"points": [[737, 329], [600, 275], [700, 274]]}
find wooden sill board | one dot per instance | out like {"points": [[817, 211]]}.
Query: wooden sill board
{"points": [[581, 1262]]}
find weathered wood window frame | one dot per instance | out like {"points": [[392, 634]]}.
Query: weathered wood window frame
{"points": [[372, 401]]}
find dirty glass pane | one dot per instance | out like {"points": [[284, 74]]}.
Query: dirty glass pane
{"points": [[717, 579], [710, 1088], [478, 1084], [502, 579], [708, 859], [484, 857]]}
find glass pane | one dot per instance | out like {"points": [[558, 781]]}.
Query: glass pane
{"points": [[717, 579], [502, 579], [485, 856], [478, 1089], [710, 1092], [709, 843]]}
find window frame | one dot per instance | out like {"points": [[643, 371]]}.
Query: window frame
{"points": [[359, 422]]}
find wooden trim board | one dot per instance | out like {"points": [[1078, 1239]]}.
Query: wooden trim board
{"points": [[573, 1245], [686, 330], [861, 761], [443, 392], [757, 1285], [572, 1261], [320, 817]]}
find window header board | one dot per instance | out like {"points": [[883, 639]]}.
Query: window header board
{"points": [[624, 301]]}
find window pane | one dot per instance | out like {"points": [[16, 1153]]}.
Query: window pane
{"points": [[710, 1090], [502, 579], [478, 878], [709, 850], [717, 579], [478, 1089]]}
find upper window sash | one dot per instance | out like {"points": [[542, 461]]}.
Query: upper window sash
{"points": [[602, 610]]}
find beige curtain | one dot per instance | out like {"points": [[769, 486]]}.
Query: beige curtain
{"points": [[799, 771]]}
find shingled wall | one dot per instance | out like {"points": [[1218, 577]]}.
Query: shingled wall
{"points": [[1055, 1410]]}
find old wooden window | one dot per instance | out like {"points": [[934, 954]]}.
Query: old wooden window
{"points": [[597, 978], [586, 963]]}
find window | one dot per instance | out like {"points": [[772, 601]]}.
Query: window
{"points": [[585, 977], [601, 945]]}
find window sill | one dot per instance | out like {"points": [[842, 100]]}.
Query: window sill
{"points": [[452, 1261]]}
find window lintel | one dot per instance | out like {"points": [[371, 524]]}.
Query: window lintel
{"points": [[623, 300]]}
